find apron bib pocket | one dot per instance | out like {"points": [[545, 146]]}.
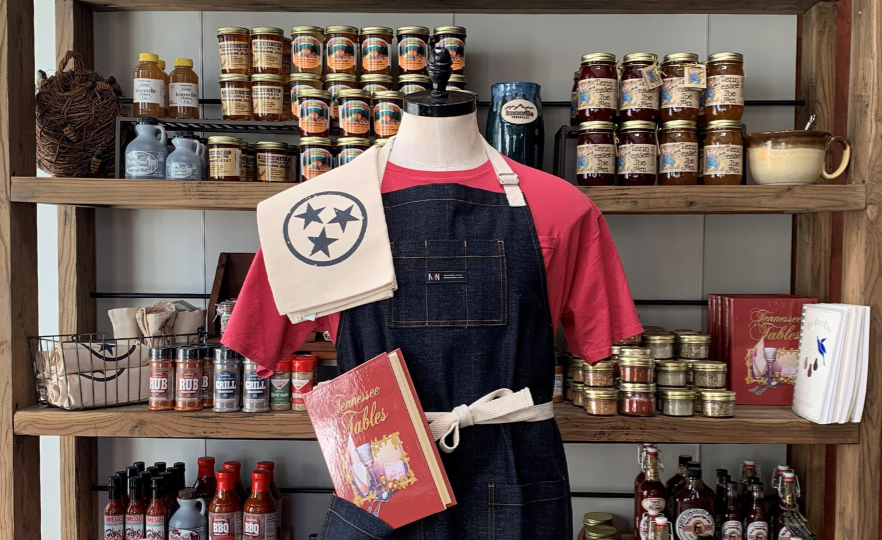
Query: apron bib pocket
{"points": [[515, 511]]}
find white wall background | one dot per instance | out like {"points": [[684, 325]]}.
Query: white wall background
{"points": [[665, 257]]}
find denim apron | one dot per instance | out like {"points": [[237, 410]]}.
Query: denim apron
{"points": [[471, 316]]}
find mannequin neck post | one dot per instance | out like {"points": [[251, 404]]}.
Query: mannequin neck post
{"points": [[438, 144]]}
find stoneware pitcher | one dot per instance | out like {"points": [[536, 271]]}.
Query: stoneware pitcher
{"points": [[793, 157]]}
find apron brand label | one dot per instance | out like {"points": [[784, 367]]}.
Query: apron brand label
{"points": [[447, 277], [519, 111]]}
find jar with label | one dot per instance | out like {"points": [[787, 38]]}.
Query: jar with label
{"points": [[314, 112], [162, 379], [259, 511], [272, 161], [234, 45], [224, 158], [286, 57], [596, 153], [677, 101], [188, 377], [280, 386], [255, 393], [709, 374], [598, 375], [235, 91], [661, 345], [637, 399], [183, 93], [207, 376], [724, 97], [165, 84], [355, 113], [671, 373], [453, 39], [148, 88], [267, 97], [457, 82], [637, 153], [287, 115], [723, 153], [598, 88], [574, 101], [293, 159], [315, 157], [340, 49], [413, 50], [678, 402], [376, 83], [719, 404], [334, 83], [678, 162], [302, 379], [387, 111], [227, 371], [638, 101], [578, 371], [306, 49], [299, 81], [248, 163], [410, 84], [557, 393], [376, 50], [267, 44], [693, 346], [349, 148]]}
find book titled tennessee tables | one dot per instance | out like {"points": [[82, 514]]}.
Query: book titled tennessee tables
{"points": [[377, 444]]}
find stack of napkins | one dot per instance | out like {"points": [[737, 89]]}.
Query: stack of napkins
{"points": [[831, 385]]}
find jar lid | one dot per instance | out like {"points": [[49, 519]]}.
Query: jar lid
{"points": [[313, 93], [636, 361], [303, 362], [335, 77], [635, 352], [694, 338], [681, 57], [637, 124], [457, 30], [307, 29], [377, 30], [603, 365], [162, 353], [283, 365], [679, 124], [343, 141], [413, 30], [225, 354], [271, 145], [659, 338], [615, 349], [381, 142], [597, 518], [577, 386], [718, 395], [148, 57], [601, 393], [676, 393], [223, 139], [287, 41], [708, 365], [315, 141], [637, 387], [188, 494], [267, 30], [248, 147], [598, 57], [388, 94], [267, 77], [191, 352], [341, 29], [234, 77], [458, 78], [414, 78], [375, 77], [183, 62], [597, 124], [311, 77], [353, 93], [600, 532], [724, 124], [722, 56], [640, 57], [671, 365], [233, 30]]}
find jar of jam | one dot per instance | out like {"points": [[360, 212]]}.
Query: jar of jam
{"points": [[224, 155], [248, 164], [349, 148], [598, 87], [601, 401], [409, 84], [234, 45], [340, 52], [638, 101], [315, 157], [286, 57], [314, 112], [375, 83], [724, 97], [578, 394], [267, 93], [637, 399], [413, 50], [376, 50], [457, 82], [723, 153], [637, 153], [678, 160], [267, 45], [306, 49], [272, 161], [293, 158], [596, 153], [235, 92], [287, 115], [299, 81], [355, 113], [677, 101], [335, 82], [453, 39]]}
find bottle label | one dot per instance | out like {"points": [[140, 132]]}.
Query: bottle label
{"points": [[732, 530], [519, 112], [574, 104], [247, 175], [411, 89], [235, 55], [374, 54], [266, 99], [148, 92], [183, 95], [141, 164], [225, 524], [272, 168], [598, 94], [223, 163], [412, 54], [596, 159], [295, 89], [266, 53], [188, 533], [189, 387], [680, 157], [314, 116], [637, 159], [355, 117], [387, 119], [306, 52], [226, 387], [723, 159], [341, 54], [558, 385], [334, 90], [182, 171], [346, 155], [155, 528], [654, 505], [695, 523], [299, 389], [695, 76], [256, 395], [456, 47], [162, 386], [114, 527], [758, 530], [313, 162], [675, 95], [725, 90], [235, 101], [259, 526], [135, 529], [207, 378], [636, 95], [783, 534]]}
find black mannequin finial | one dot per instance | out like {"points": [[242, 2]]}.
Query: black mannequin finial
{"points": [[440, 67], [439, 102]]}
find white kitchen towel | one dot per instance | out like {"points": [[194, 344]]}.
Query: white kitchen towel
{"points": [[75, 357], [158, 319], [124, 324], [97, 389]]}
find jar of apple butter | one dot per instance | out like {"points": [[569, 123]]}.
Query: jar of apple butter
{"points": [[387, 108], [315, 157], [355, 113], [598, 88], [286, 101], [349, 148], [235, 92], [637, 153], [335, 82], [410, 84], [314, 112], [596, 154], [298, 82], [224, 158], [724, 97], [453, 39], [340, 43], [637, 100], [267, 97], [723, 153], [267, 45], [293, 159], [376, 50], [248, 163], [306, 49], [678, 154], [272, 161], [677, 101], [413, 50], [286, 57], [457, 82], [376, 83], [234, 46]]}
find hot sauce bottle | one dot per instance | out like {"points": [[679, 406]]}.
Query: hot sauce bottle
{"points": [[270, 467], [259, 511], [135, 512], [170, 485], [225, 509], [680, 476], [156, 519], [720, 499], [236, 467], [729, 526], [115, 511], [206, 483], [788, 491], [123, 478], [756, 520], [651, 497], [693, 509], [748, 470]]}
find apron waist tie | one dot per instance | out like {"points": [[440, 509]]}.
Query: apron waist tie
{"points": [[501, 406]]}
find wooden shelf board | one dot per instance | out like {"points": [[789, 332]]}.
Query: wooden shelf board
{"points": [[183, 195], [759, 425]]}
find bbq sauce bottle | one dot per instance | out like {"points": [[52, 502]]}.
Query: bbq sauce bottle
{"points": [[693, 509]]}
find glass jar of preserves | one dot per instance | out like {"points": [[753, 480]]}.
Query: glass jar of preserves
{"points": [[637, 399], [598, 375], [375, 83], [306, 49], [457, 82], [299, 81], [335, 82], [286, 57], [235, 92], [315, 157], [287, 115], [578, 394], [340, 44], [720, 404], [234, 46], [661, 345], [355, 112], [453, 39], [677, 101], [723, 153], [724, 97], [601, 401], [671, 373], [677, 402], [376, 50], [596, 153], [224, 158], [248, 163], [708, 374], [380, 142], [637, 100], [387, 109], [636, 370], [267, 44], [314, 112], [349, 148], [678, 160], [598, 88], [637, 153], [694, 346], [272, 161], [413, 50], [409, 84], [267, 93], [293, 160]]}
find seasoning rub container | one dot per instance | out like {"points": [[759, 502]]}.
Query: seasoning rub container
{"points": [[207, 377], [694, 346], [162, 379], [671, 373], [255, 396], [227, 372], [677, 402], [720, 404], [188, 377], [708, 374], [280, 386], [302, 379], [598, 375]]}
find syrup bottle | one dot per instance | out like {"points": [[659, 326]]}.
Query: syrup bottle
{"points": [[680, 476], [756, 519], [135, 512], [641, 460], [115, 511], [206, 483], [693, 509], [788, 492], [183, 90], [729, 526], [650, 498], [156, 519]]}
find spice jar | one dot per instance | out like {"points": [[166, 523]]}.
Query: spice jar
{"points": [[224, 154], [694, 346], [227, 370], [723, 153], [598, 88], [340, 49], [267, 45], [302, 379], [375, 83], [596, 154], [306, 49], [412, 49], [678, 162], [601, 401], [376, 45], [280, 386], [314, 112], [633, 340], [272, 161], [661, 345], [387, 107], [255, 395], [577, 369], [637, 100], [188, 378], [677, 101], [637, 153], [247, 164], [637, 399], [148, 93], [183, 90], [709, 374], [235, 92], [688, 364], [267, 97], [299, 81], [315, 157], [334, 83], [355, 113], [598, 375], [207, 376], [349, 148], [457, 82], [677, 402], [636, 370], [234, 46], [724, 97], [568, 389], [578, 394], [452, 38], [671, 373], [410, 84], [601, 532], [718, 404], [162, 379]]}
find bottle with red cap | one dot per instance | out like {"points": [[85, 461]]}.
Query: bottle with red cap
{"points": [[206, 483], [240, 488], [259, 512], [225, 509], [270, 467]]}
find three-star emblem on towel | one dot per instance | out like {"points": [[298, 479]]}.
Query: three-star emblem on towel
{"points": [[317, 237]]}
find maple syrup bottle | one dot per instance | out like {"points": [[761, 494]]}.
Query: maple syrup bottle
{"points": [[156, 519], [115, 511], [723, 478], [669, 509], [135, 512], [206, 483], [682, 461], [756, 520], [650, 498], [693, 509], [788, 493], [729, 526]]}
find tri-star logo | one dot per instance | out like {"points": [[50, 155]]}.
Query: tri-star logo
{"points": [[325, 228]]}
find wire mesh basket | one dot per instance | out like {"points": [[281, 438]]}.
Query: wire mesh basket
{"points": [[93, 371]]}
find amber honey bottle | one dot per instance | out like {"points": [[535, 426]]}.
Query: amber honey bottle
{"points": [[693, 509], [149, 87], [165, 78], [650, 498], [183, 95]]}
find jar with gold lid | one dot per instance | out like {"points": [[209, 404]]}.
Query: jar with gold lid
{"points": [[235, 93], [334, 83], [248, 164], [453, 39], [723, 153], [413, 50], [637, 370], [272, 161], [597, 531], [677, 402], [315, 157], [306, 49], [598, 88], [224, 155], [671, 373], [267, 97], [267, 45], [694, 346], [314, 112], [376, 50], [677, 101], [349, 148], [724, 96], [596, 154], [386, 111], [355, 112], [637, 153], [708, 374], [719, 404], [661, 345], [578, 370], [410, 84], [637, 399], [637, 101], [340, 46], [299, 81], [678, 162], [293, 161], [578, 394], [457, 82], [598, 375], [234, 46], [287, 114], [376, 83], [286, 58], [380, 142]]}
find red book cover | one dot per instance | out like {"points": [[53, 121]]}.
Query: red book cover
{"points": [[377, 444]]}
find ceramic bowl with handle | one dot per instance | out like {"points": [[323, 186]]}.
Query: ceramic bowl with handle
{"points": [[793, 157]]}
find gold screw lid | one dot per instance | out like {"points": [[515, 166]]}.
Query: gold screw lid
{"points": [[726, 56], [304, 77], [724, 124], [601, 393], [708, 365], [680, 57], [637, 387], [233, 30], [603, 365], [234, 77], [640, 57], [341, 29], [598, 57], [313, 93], [694, 338], [315, 141], [223, 139], [267, 30], [381, 142], [353, 93], [671, 365], [637, 124], [456, 78], [306, 29], [267, 77], [271, 145], [344, 141], [597, 125], [635, 352], [718, 395], [377, 30], [388, 94], [340, 77], [414, 78], [376, 78], [183, 62], [679, 124], [457, 30], [600, 532], [636, 362], [597, 518], [412, 30], [676, 393], [659, 338]]}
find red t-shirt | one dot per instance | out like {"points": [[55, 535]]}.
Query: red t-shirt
{"points": [[587, 289]]}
